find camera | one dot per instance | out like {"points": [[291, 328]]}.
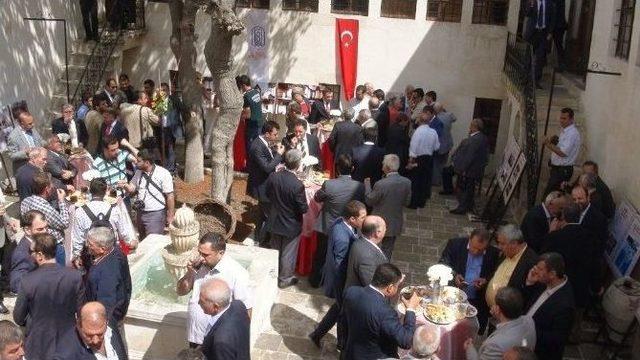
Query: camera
{"points": [[138, 205]]}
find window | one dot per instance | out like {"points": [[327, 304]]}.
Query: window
{"points": [[355, 7], [489, 111], [403, 9], [254, 4], [444, 10], [300, 5], [492, 12], [625, 28]]}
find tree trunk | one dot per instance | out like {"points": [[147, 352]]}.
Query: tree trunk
{"points": [[224, 26], [183, 19]]}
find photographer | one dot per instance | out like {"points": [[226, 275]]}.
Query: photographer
{"points": [[155, 201]]}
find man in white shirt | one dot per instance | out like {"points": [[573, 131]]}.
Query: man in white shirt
{"points": [[564, 151], [424, 142], [155, 203], [359, 102], [213, 264]]}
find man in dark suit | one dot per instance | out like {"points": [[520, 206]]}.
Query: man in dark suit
{"points": [[27, 172], [343, 234], [57, 164], [539, 31], [261, 162], [345, 135], [63, 125], [577, 246], [48, 300], [320, 110], [373, 328], [108, 279], [383, 119], [388, 198], [365, 254], [334, 196], [551, 305], [307, 143], [469, 161], [518, 259], [32, 222], [87, 338], [596, 224], [535, 224], [398, 140], [608, 206], [367, 158], [111, 126], [228, 338], [288, 203], [474, 262], [558, 32]]}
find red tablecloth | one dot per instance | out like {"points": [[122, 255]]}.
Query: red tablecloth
{"points": [[239, 149], [327, 159], [308, 240]]}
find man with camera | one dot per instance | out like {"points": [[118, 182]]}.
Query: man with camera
{"points": [[155, 200]]}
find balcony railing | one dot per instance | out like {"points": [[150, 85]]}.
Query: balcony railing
{"points": [[519, 73]]}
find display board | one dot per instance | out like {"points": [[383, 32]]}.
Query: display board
{"points": [[622, 249], [6, 126]]}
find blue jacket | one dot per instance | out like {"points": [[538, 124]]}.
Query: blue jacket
{"points": [[373, 328], [335, 265], [21, 263], [109, 282]]}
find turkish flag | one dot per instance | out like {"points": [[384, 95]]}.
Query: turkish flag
{"points": [[347, 37]]}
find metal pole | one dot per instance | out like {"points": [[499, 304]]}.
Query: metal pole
{"points": [[546, 126], [66, 61]]}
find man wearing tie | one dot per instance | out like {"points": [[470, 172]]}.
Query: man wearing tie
{"points": [[542, 19], [23, 137], [320, 110]]}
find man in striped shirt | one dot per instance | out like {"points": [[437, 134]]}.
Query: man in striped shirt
{"points": [[112, 163]]}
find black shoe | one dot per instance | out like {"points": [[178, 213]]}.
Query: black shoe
{"points": [[446, 192], [286, 284], [458, 211], [315, 339], [538, 86], [3, 309]]}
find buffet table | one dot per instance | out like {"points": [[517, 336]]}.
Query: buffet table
{"points": [[308, 240]]}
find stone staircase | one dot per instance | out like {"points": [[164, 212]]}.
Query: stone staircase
{"points": [[565, 94], [79, 58]]}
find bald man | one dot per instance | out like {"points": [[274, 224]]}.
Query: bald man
{"points": [[366, 254], [228, 336], [92, 338]]}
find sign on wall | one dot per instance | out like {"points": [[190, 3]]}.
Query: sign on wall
{"points": [[258, 53], [622, 249]]}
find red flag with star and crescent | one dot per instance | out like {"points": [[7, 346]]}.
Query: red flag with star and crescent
{"points": [[347, 36]]}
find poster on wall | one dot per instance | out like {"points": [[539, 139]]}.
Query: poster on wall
{"points": [[517, 170], [621, 247], [509, 158], [6, 126], [627, 255], [257, 25]]}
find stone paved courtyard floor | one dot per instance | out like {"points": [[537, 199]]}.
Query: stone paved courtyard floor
{"points": [[299, 308]]}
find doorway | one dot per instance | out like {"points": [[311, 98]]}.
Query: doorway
{"points": [[578, 37]]}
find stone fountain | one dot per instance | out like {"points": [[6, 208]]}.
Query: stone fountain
{"points": [[155, 325]]}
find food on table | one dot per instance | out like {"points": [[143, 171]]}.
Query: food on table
{"points": [[77, 198], [317, 177], [423, 291], [452, 295], [439, 314]]}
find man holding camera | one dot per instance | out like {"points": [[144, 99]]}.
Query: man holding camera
{"points": [[155, 201], [564, 151]]}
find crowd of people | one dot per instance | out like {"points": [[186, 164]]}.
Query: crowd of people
{"points": [[386, 153]]}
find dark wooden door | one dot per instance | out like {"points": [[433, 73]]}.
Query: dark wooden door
{"points": [[578, 37], [489, 111]]}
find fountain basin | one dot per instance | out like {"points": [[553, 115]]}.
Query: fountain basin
{"points": [[155, 325]]}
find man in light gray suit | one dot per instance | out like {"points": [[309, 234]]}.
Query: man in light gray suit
{"points": [[513, 329], [22, 137], [387, 199], [365, 254], [334, 196], [446, 142]]}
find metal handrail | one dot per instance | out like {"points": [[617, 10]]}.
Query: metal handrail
{"points": [[140, 24], [519, 68]]}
